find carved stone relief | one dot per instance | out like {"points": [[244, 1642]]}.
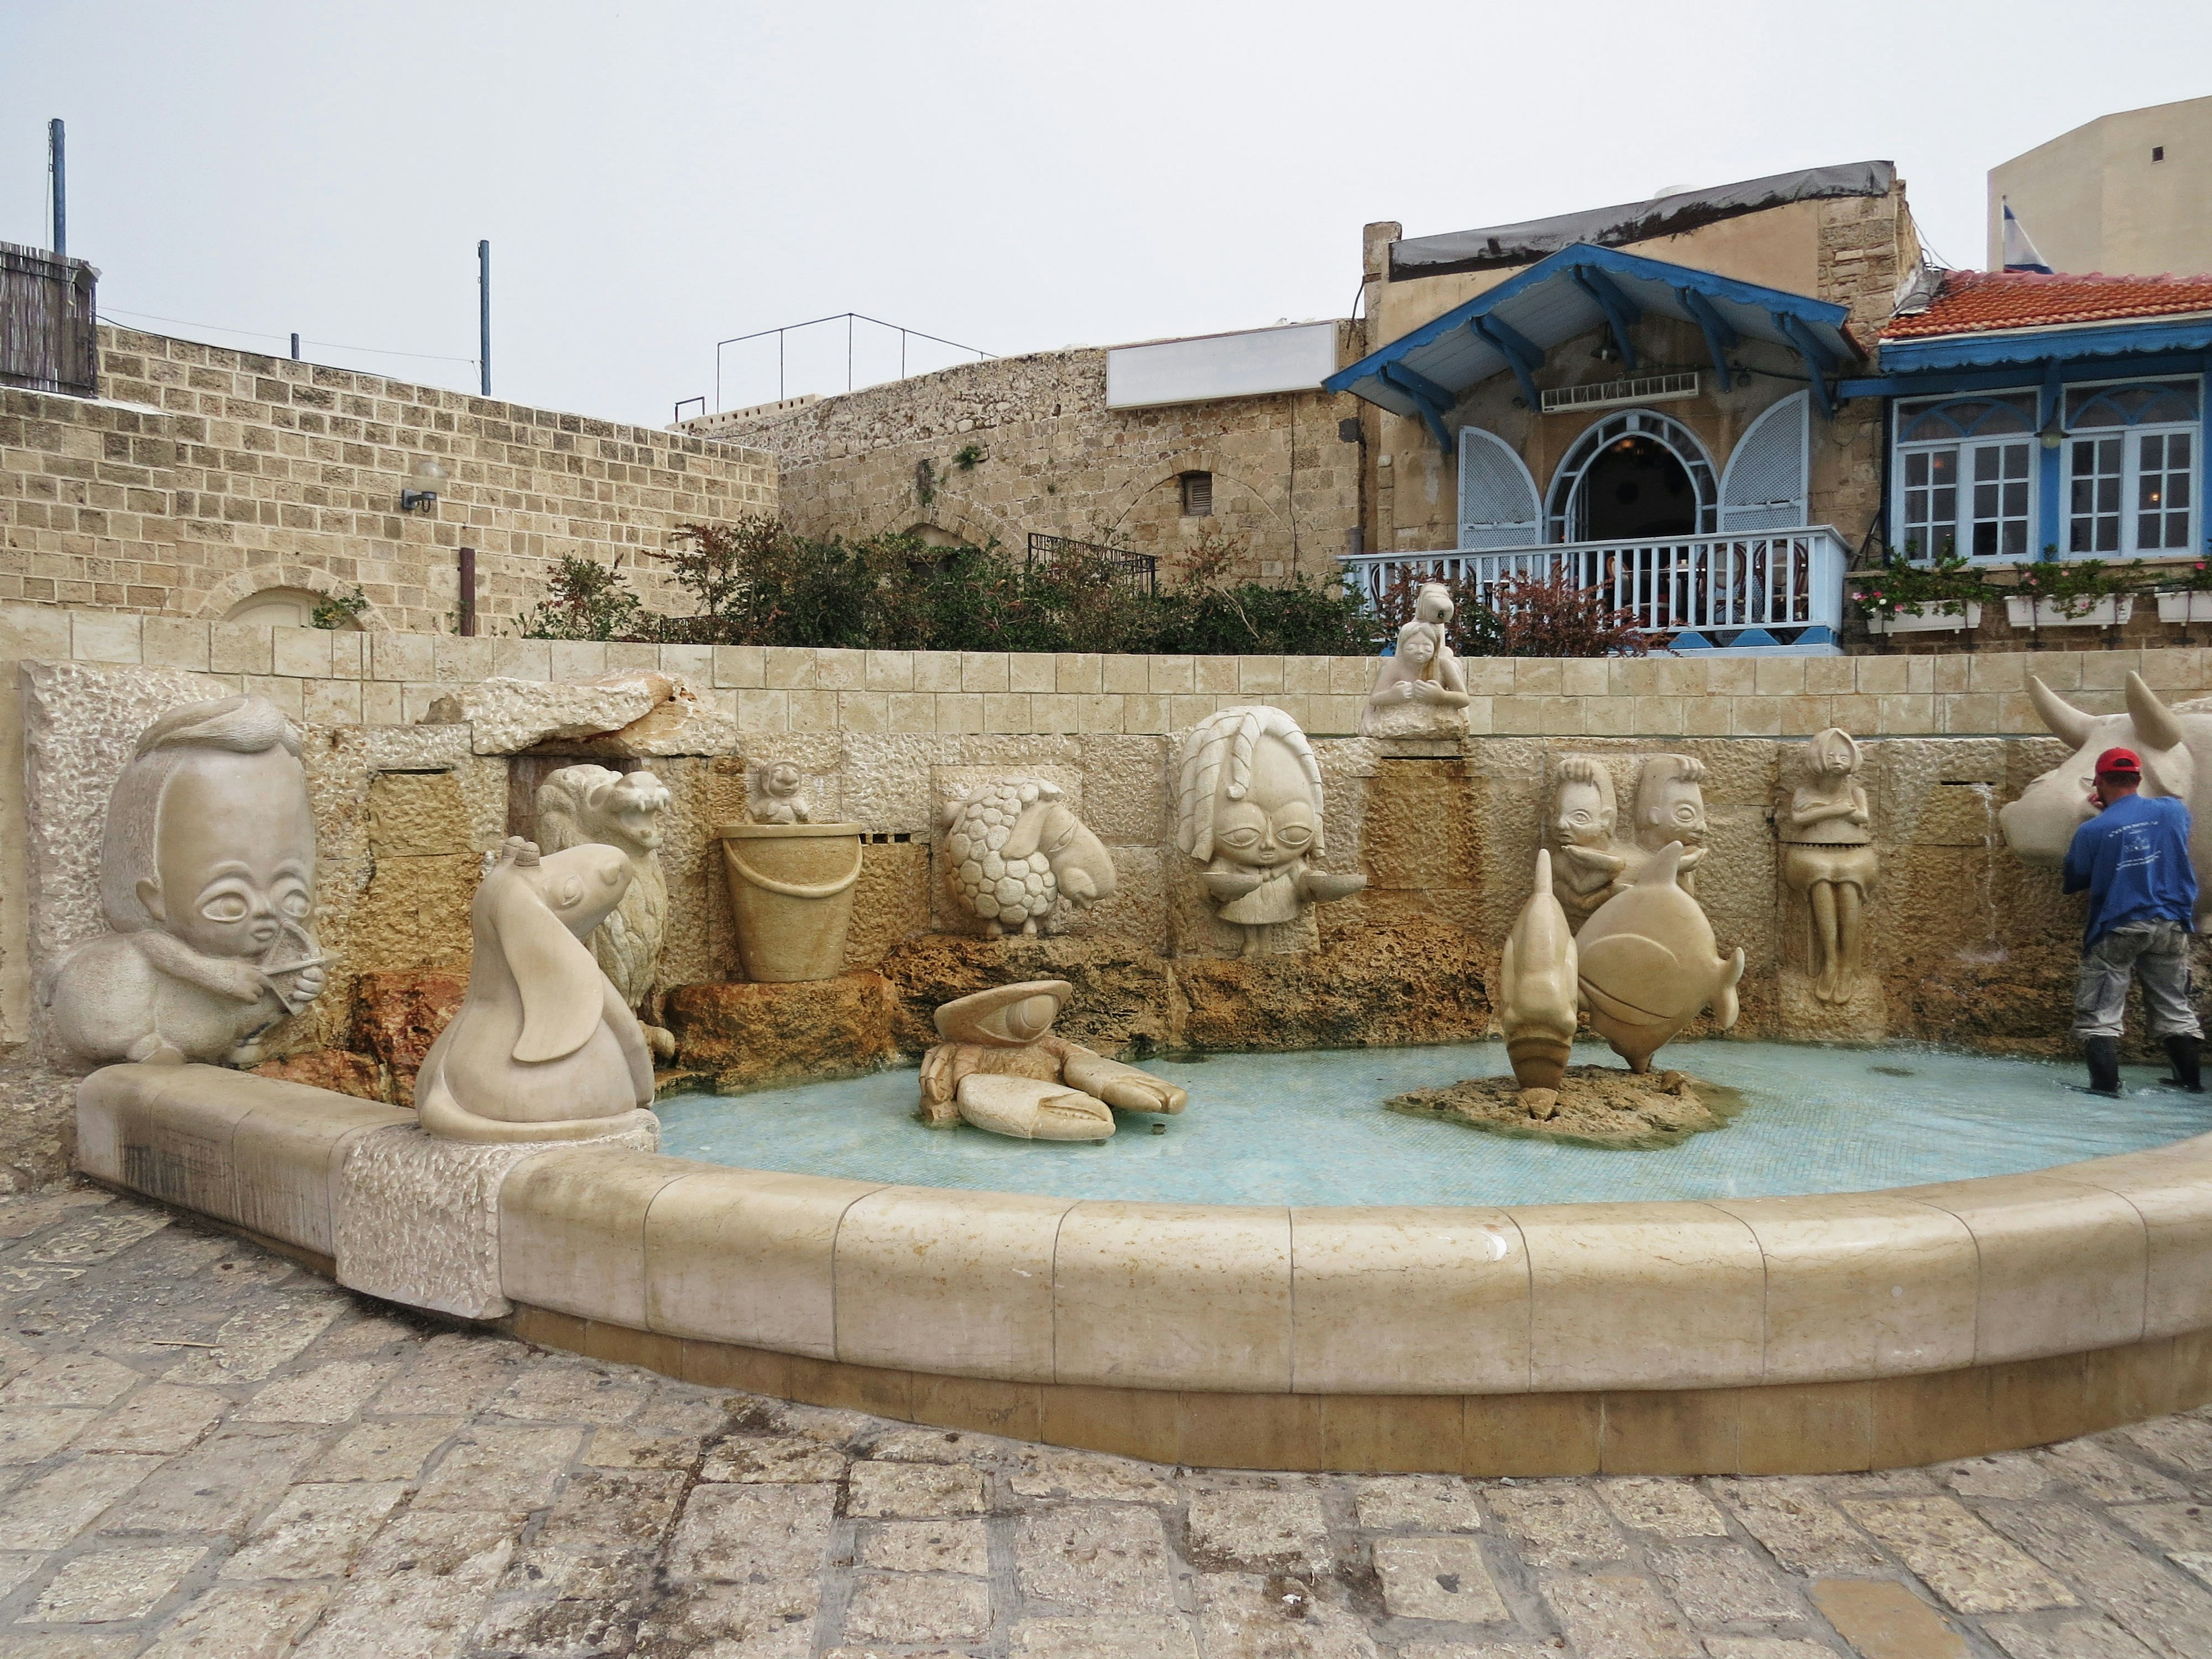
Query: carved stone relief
{"points": [[207, 881], [579, 806], [1248, 809], [1828, 859], [1420, 691], [1594, 860], [1014, 849]]}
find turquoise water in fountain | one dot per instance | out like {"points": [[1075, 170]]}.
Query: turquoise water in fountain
{"points": [[1310, 1128]]}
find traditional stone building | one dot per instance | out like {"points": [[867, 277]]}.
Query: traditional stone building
{"points": [[1042, 445]]}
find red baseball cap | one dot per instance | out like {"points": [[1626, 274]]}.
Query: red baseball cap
{"points": [[2119, 762]]}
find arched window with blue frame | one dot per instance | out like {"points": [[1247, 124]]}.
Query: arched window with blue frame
{"points": [[1964, 480], [2131, 455]]}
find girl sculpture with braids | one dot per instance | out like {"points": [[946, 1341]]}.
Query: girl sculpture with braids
{"points": [[1249, 808]]}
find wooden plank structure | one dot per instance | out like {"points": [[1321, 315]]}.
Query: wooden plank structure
{"points": [[48, 323]]}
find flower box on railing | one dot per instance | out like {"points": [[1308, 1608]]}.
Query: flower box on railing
{"points": [[2104, 613], [1962, 618], [2184, 607]]}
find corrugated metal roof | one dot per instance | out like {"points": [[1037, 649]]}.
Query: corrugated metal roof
{"points": [[1496, 245]]}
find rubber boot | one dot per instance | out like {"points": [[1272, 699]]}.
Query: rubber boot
{"points": [[2187, 1074], [2103, 1065]]}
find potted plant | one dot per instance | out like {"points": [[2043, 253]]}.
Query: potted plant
{"points": [[2071, 593], [1902, 596], [2188, 598]]}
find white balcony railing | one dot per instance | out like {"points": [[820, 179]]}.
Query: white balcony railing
{"points": [[1786, 583]]}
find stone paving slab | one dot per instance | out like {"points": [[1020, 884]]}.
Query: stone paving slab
{"points": [[208, 1453]]}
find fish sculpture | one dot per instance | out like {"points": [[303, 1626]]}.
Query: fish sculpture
{"points": [[1537, 980], [1649, 964]]}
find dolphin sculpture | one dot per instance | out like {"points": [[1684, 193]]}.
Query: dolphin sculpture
{"points": [[1537, 988], [1649, 965]]}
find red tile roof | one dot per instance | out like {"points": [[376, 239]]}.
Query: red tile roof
{"points": [[1985, 301]]}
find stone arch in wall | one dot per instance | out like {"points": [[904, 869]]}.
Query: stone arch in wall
{"points": [[1148, 510], [235, 589], [968, 523]]}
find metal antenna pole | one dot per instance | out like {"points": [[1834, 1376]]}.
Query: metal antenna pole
{"points": [[483, 313], [57, 164], [779, 365], [848, 351], [295, 348]]}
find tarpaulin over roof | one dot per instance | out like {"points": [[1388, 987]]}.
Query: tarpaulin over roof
{"points": [[1632, 221], [1574, 292]]}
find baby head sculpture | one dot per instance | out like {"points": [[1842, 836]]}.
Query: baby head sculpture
{"points": [[1669, 805], [208, 834], [543, 1048], [778, 785], [208, 878], [1015, 848]]}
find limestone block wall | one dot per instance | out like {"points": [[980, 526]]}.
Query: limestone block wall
{"points": [[1054, 460], [202, 476], [1967, 944]]}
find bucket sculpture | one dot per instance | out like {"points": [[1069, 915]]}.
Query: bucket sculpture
{"points": [[791, 893]]}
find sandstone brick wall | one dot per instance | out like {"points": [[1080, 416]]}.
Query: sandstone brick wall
{"points": [[1056, 460], [205, 475]]}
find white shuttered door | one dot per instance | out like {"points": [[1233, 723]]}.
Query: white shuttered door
{"points": [[1763, 486], [1496, 497]]}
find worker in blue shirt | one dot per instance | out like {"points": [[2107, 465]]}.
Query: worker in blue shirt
{"points": [[2133, 858]]}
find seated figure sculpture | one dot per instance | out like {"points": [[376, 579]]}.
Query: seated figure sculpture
{"points": [[207, 877], [1420, 691], [1000, 1068], [1249, 808], [543, 1048]]}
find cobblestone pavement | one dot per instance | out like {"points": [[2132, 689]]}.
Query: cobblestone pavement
{"points": [[206, 1452]]}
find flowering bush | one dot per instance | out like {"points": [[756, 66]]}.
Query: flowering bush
{"points": [[1944, 588]]}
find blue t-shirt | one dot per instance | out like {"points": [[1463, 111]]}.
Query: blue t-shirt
{"points": [[2134, 859]]}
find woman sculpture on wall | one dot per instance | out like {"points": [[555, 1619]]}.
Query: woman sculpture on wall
{"points": [[1420, 691], [1828, 856]]}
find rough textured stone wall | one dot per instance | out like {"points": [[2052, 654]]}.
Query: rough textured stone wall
{"points": [[205, 476], [1054, 460]]}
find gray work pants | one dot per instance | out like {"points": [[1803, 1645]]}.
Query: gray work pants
{"points": [[2157, 953]]}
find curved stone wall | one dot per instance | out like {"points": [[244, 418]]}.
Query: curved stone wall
{"points": [[1844, 1331]]}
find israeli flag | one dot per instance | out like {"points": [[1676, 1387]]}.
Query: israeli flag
{"points": [[2020, 253]]}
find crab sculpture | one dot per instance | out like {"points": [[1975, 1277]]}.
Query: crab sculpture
{"points": [[1001, 1069]]}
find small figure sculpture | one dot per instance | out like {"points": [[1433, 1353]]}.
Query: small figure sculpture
{"points": [[1537, 980], [1584, 816], [1670, 807], [207, 876], [1249, 808], [780, 801], [1420, 691], [1648, 966], [543, 1047], [1014, 849], [1822, 822], [1000, 1068], [581, 804]]}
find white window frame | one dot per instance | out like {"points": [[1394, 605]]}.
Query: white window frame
{"points": [[2131, 472], [1967, 446]]}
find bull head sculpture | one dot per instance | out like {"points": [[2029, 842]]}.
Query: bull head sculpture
{"points": [[2176, 747]]}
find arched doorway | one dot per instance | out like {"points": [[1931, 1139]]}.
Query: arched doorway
{"points": [[287, 607], [1633, 477]]}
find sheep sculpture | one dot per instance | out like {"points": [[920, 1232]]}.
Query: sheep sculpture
{"points": [[1015, 848]]}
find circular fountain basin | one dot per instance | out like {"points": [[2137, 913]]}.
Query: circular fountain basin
{"points": [[1308, 1129]]}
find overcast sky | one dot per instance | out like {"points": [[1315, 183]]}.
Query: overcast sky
{"points": [[1011, 176]]}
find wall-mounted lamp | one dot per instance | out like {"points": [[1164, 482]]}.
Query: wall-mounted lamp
{"points": [[2053, 433], [420, 493]]}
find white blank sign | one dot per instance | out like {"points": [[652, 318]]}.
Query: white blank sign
{"points": [[1246, 365]]}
